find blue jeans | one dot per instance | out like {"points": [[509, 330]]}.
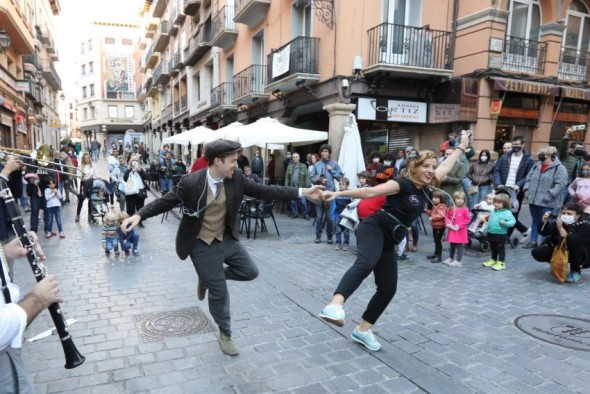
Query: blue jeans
{"points": [[126, 245], [166, 185], [53, 212], [537, 213], [110, 244], [341, 230], [323, 212], [295, 208]]}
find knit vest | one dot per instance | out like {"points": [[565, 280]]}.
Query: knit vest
{"points": [[215, 217]]}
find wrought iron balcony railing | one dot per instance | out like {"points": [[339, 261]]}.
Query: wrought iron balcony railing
{"points": [[402, 45], [304, 54], [222, 94], [524, 55], [573, 65], [249, 80]]}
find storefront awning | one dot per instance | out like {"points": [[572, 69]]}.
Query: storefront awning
{"points": [[528, 87], [575, 93]]}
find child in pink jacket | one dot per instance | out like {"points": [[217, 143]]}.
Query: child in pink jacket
{"points": [[579, 189], [457, 220]]}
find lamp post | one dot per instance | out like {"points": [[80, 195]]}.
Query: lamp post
{"points": [[4, 40]]}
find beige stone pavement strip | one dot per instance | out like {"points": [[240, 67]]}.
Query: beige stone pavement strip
{"points": [[447, 330]]}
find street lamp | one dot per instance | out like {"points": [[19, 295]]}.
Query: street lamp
{"points": [[4, 40]]}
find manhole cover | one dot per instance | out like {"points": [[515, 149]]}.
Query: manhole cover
{"points": [[564, 331], [178, 323]]}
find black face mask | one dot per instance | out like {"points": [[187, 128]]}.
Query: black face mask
{"points": [[516, 149], [579, 152], [541, 156]]}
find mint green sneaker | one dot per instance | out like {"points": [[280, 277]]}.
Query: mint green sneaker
{"points": [[366, 338], [333, 314]]}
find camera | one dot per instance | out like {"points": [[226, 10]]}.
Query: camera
{"points": [[552, 215], [578, 127]]}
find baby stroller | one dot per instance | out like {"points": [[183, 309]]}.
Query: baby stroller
{"points": [[478, 234], [97, 192], [514, 205]]}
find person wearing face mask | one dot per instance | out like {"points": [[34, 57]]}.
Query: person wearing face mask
{"points": [[257, 164], [373, 166], [572, 156], [480, 173], [543, 187], [579, 189], [574, 226], [511, 171]]}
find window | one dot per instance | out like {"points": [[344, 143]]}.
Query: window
{"points": [[84, 92], [525, 19], [113, 111], [83, 69], [89, 45], [129, 111], [126, 41], [301, 21], [92, 90], [90, 67], [85, 113], [575, 42], [82, 48], [109, 41]]}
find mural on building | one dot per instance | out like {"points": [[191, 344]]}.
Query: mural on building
{"points": [[118, 78]]}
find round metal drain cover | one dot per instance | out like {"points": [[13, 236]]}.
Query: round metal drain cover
{"points": [[564, 331], [181, 322]]}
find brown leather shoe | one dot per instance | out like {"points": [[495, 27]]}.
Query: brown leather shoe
{"points": [[227, 345], [201, 290]]}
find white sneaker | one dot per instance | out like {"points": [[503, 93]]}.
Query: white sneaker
{"points": [[333, 314], [447, 261], [455, 263]]}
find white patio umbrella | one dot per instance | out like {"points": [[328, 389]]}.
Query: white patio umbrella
{"points": [[235, 132], [270, 131], [193, 136], [351, 158]]}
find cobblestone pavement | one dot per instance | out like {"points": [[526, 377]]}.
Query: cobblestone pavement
{"points": [[448, 330]]}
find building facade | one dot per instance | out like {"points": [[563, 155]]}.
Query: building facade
{"points": [[410, 70], [29, 82]]}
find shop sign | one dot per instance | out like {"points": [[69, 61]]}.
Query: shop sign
{"points": [[519, 113], [444, 113], [516, 85], [6, 120], [391, 110], [496, 107], [23, 86], [569, 117], [575, 93]]}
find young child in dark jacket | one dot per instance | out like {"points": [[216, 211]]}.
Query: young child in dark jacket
{"points": [[339, 205], [130, 240], [437, 216]]}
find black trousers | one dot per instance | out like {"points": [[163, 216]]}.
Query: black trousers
{"points": [[579, 257], [438, 234], [376, 254], [498, 246]]}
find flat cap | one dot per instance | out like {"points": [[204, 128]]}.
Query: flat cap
{"points": [[221, 148]]}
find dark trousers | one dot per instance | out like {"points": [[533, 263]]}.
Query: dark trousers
{"points": [[134, 203], [375, 254], [519, 226], [438, 234], [579, 257], [498, 246], [209, 263], [81, 198]]}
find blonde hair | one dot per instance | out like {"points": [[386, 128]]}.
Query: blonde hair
{"points": [[84, 155], [548, 150], [122, 216], [110, 217], [460, 194], [414, 164]]}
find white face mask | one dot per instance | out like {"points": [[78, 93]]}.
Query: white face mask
{"points": [[376, 160], [387, 163], [484, 158], [568, 219]]}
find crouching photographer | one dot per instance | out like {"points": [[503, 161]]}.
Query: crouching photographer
{"points": [[574, 226]]}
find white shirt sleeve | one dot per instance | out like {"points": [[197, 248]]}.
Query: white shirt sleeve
{"points": [[13, 321]]}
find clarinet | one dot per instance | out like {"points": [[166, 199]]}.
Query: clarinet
{"points": [[73, 357]]}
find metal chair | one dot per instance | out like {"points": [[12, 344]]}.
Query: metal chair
{"points": [[262, 211]]}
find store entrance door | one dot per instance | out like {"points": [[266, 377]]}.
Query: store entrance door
{"points": [[503, 135]]}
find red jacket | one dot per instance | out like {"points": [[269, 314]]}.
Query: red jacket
{"points": [[438, 215], [200, 163]]}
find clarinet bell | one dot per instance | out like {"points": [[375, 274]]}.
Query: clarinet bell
{"points": [[72, 355]]}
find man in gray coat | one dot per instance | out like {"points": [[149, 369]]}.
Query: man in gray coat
{"points": [[209, 228]]}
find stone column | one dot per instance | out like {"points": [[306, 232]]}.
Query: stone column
{"points": [[339, 113]]}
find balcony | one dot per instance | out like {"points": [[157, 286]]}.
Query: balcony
{"points": [[222, 97], [249, 85], [178, 61], [50, 74], [31, 63], [54, 56], [151, 58], [142, 66], [162, 37], [178, 13], [161, 73], [223, 28], [50, 46], [159, 8], [573, 65], [191, 7], [418, 52], [524, 55], [251, 12], [295, 61], [150, 28], [198, 45]]}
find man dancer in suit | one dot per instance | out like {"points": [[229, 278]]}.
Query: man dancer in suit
{"points": [[209, 228]]}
